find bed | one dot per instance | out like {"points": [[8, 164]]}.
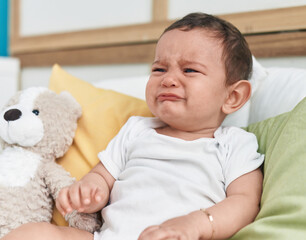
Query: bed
{"points": [[276, 113]]}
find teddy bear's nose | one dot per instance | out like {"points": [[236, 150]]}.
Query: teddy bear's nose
{"points": [[12, 114]]}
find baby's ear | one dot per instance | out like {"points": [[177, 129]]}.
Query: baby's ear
{"points": [[238, 94]]}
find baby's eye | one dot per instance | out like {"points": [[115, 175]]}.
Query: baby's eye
{"points": [[36, 112], [158, 70], [189, 70]]}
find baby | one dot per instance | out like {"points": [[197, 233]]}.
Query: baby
{"points": [[179, 175]]}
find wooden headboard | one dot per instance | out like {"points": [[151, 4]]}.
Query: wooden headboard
{"points": [[270, 33]]}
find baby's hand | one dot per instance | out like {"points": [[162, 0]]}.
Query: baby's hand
{"points": [[83, 196], [184, 227]]}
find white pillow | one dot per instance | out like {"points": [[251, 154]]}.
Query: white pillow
{"points": [[280, 91]]}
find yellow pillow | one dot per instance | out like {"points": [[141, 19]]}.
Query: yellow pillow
{"points": [[103, 114]]}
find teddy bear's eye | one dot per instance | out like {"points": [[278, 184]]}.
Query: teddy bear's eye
{"points": [[36, 112]]}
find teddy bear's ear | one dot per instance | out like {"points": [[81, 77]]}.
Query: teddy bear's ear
{"points": [[77, 109], [12, 101]]}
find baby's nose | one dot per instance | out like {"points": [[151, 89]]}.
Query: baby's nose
{"points": [[169, 82], [12, 114]]}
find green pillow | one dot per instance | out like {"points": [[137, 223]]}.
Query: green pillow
{"points": [[283, 204]]}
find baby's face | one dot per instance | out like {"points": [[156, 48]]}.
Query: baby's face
{"points": [[187, 86]]}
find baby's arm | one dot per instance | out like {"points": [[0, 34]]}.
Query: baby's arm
{"points": [[236, 211], [240, 207], [88, 195]]}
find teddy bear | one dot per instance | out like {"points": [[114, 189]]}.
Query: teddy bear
{"points": [[37, 126]]}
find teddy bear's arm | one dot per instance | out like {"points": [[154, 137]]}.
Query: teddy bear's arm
{"points": [[56, 177]]}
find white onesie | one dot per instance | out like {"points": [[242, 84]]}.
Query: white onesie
{"points": [[160, 177]]}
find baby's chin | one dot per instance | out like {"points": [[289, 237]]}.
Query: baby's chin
{"points": [[176, 123]]}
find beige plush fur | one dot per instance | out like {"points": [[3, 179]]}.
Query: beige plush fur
{"points": [[30, 179]]}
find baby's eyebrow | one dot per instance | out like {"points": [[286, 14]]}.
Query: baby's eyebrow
{"points": [[184, 62], [156, 62], [194, 62]]}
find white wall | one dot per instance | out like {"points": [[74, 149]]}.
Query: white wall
{"points": [[71, 15], [179, 8]]}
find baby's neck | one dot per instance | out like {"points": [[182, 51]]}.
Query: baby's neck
{"points": [[187, 135]]}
